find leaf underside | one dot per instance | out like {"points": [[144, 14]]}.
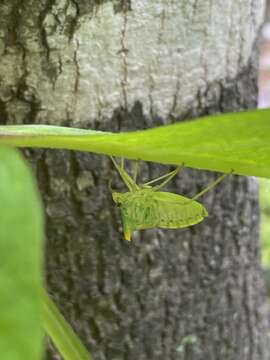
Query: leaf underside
{"points": [[236, 141]]}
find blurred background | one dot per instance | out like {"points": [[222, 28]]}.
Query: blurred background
{"points": [[264, 102]]}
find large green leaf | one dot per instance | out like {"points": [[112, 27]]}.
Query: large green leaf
{"points": [[21, 232], [238, 142]]}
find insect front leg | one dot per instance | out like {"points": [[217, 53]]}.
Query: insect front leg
{"points": [[136, 170], [132, 186]]}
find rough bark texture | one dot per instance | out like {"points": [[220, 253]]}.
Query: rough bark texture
{"points": [[127, 65]]}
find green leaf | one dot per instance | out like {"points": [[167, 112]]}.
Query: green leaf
{"points": [[64, 338], [21, 233], [237, 141]]}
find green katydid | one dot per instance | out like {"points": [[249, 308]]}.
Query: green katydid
{"points": [[144, 206]]}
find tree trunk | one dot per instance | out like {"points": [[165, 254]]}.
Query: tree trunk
{"points": [[194, 293]]}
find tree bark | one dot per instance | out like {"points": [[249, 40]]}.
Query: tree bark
{"points": [[194, 293]]}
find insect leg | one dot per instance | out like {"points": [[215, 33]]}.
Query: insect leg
{"points": [[132, 186], [136, 169], [172, 173], [211, 186], [169, 177]]}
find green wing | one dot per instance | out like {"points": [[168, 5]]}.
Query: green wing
{"points": [[160, 209], [176, 211]]}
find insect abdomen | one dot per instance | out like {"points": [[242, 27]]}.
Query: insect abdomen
{"points": [[177, 211]]}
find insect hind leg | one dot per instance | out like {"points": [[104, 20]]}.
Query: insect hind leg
{"points": [[211, 186]]}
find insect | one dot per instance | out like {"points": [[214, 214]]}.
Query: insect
{"points": [[144, 206]]}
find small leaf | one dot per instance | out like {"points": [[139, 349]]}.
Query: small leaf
{"points": [[21, 233]]}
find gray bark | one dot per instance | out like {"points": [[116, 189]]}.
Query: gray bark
{"points": [[128, 65]]}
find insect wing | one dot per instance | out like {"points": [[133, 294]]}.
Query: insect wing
{"points": [[177, 211]]}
